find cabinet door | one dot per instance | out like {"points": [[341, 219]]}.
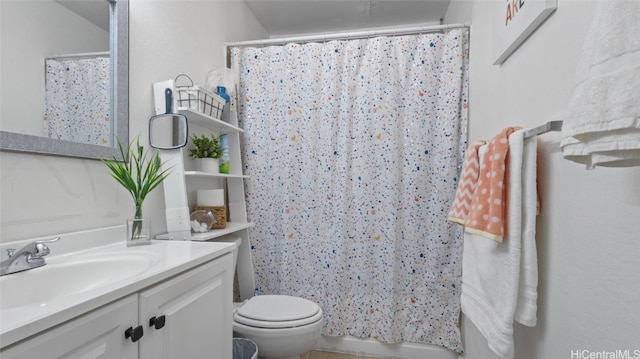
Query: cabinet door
{"points": [[194, 312], [98, 334]]}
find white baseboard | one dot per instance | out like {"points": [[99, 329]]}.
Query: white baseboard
{"points": [[372, 347]]}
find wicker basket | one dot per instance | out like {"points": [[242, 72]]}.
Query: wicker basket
{"points": [[219, 212]]}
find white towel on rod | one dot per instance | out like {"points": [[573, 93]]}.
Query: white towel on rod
{"points": [[602, 123], [527, 305], [499, 280]]}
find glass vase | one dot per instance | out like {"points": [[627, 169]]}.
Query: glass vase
{"points": [[138, 230]]}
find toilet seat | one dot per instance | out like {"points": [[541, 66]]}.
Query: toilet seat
{"points": [[277, 311]]}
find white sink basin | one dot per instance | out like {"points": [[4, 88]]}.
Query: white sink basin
{"points": [[62, 278]]}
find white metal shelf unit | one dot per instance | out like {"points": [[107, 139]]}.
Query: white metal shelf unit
{"points": [[197, 174], [180, 190], [182, 184], [232, 227], [214, 124]]}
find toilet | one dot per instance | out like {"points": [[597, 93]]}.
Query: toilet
{"points": [[282, 326]]}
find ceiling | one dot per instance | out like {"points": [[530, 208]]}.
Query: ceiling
{"points": [[294, 17]]}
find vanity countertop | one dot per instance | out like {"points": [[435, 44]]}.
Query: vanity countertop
{"points": [[25, 314]]}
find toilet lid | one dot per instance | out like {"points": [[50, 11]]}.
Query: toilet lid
{"points": [[278, 311]]}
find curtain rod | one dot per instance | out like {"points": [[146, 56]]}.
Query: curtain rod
{"points": [[349, 35]]}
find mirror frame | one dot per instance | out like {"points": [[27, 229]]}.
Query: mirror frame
{"points": [[119, 46], [178, 121]]}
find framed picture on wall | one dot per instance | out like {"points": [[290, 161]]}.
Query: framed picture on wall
{"points": [[513, 22]]}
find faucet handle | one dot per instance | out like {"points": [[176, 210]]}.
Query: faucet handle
{"points": [[48, 240], [42, 249]]}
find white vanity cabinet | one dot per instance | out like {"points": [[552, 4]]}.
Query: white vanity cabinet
{"points": [[99, 334], [186, 316], [189, 316]]}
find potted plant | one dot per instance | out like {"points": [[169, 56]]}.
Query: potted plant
{"points": [[207, 151], [139, 173]]}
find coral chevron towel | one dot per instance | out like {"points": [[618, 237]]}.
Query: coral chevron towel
{"points": [[487, 212], [467, 185]]}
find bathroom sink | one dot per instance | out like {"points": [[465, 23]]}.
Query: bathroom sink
{"points": [[66, 277]]}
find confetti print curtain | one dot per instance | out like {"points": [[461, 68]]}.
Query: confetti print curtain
{"points": [[78, 101], [352, 150]]}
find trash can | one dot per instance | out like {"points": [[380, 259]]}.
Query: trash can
{"points": [[244, 349]]}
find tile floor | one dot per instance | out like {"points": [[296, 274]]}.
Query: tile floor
{"points": [[316, 354]]}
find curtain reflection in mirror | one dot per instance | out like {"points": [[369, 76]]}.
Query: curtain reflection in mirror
{"points": [[77, 99]]}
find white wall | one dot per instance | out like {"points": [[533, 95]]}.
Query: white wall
{"points": [[589, 229], [45, 195]]}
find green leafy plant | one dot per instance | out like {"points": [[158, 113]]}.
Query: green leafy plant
{"points": [[138, 172], [206, 147]]}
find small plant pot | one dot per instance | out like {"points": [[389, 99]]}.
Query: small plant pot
{"points": [[210, 165]]}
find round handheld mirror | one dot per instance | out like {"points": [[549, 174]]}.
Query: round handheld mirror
{"points": [[168, 130]]}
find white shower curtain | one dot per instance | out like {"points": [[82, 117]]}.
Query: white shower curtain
{"points": [[78, 100], [352, 150]]}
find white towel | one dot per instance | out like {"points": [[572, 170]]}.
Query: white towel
{"points": [[527, 305], [602, 124], [495, 275]]}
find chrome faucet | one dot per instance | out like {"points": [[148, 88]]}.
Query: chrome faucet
{"points": [[29, 257]]}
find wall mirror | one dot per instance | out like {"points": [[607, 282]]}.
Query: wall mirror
{"points": [[65, 84]]}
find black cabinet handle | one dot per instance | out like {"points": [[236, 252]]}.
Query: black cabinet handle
{"points": [[158, 322], [134, 333]]}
